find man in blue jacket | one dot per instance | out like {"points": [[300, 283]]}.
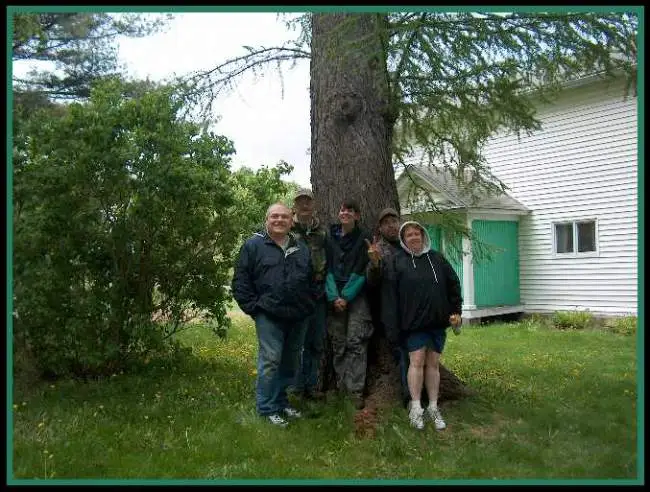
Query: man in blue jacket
{"points": [[273, 283]]}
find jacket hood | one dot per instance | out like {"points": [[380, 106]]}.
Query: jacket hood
{"points": [[425, 235]]}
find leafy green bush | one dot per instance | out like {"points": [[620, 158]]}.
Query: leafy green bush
{"points": [[625, 325], [572, 320], [255, 191], [115, 199]]}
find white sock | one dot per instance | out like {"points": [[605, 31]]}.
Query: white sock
{"points": [[433, 405], [416, 404]]}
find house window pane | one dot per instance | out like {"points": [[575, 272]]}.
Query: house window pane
{"points": [[564, 238], [586, 236]]}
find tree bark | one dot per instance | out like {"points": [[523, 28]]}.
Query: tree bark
{"points": [[350, 135], [352, 127]]}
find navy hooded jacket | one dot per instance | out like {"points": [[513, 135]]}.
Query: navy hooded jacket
{"points": [[276, 281]]}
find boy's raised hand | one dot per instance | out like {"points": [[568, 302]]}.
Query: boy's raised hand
{"points": [[373, 251]]}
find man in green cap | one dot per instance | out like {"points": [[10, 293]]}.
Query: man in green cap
{"points": [[306, 227]]}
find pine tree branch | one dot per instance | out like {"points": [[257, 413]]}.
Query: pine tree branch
{"points": [[405, 53], [207, 84]]}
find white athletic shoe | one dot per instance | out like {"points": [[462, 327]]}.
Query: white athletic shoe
{"points": [[435, 415], [416, 417], [292, 413], [275, 419]]}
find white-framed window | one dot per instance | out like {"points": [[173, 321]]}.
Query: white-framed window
{"points": [[575, 237]]}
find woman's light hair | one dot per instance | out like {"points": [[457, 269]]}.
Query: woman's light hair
{"points": [[413, 226]]}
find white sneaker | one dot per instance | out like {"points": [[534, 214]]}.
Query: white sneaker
{"points": [[275, 419], [435, 415], [416, 417], [292, 413]]}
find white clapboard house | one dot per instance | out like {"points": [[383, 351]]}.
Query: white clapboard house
{"points": [[567, 229]]}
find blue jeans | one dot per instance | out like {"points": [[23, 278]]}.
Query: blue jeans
{"points": [[312, 351], [277, 362]]}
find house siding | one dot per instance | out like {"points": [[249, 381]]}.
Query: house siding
{"points": [[581, 165]]}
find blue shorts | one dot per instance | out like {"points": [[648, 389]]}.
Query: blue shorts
{"points": [[434, 340]]}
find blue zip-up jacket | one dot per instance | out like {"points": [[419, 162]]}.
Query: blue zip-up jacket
{"points": [[270, 279]]}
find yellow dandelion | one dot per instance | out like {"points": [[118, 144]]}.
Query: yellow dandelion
{"points": [[15, 406]]}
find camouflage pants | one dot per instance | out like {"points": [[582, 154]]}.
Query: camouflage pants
{"points": [[349, 333]]}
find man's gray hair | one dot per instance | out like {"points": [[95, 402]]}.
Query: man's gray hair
{"points": [[268, 210]]}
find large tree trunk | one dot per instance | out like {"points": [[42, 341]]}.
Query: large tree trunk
{"points": [[351, 127], [351, 130]]}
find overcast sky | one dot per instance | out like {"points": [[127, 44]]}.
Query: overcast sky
{"points": [[264, 126]]}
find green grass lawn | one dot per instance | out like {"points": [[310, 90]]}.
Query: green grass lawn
{"points": [[550, 405]]}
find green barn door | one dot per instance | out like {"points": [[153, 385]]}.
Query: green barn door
{"points": [[453, 251], [496, 280], [434, 234], [452, 254]]}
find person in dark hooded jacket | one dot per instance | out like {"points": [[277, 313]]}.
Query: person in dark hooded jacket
{"points": [[422, 298]]}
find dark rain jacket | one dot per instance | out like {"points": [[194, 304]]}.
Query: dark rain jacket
{"points": [[276, 281]]}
